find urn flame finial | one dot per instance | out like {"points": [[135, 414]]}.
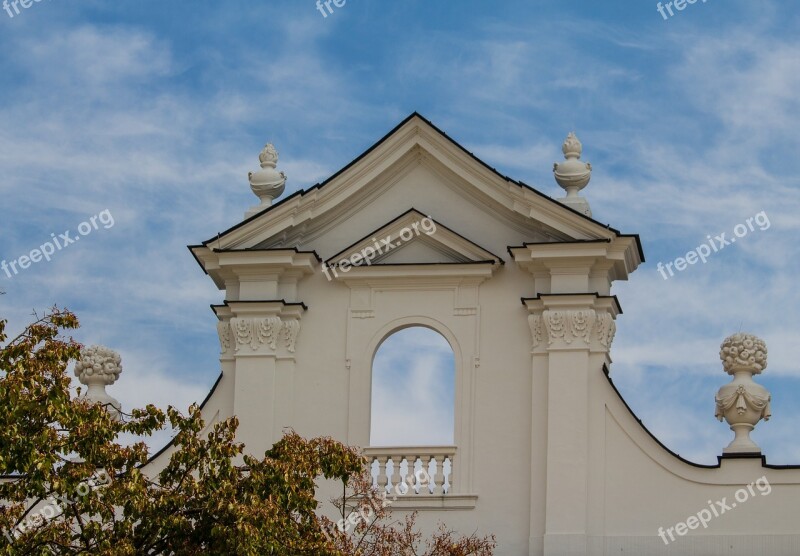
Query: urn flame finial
{"points": [[268, 156], [267, 183], [573, 175], [572, 147]]}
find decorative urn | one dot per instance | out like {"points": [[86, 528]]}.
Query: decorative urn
{"points": [[742, 402], [97, 368], [573, 175], [267, 183]]}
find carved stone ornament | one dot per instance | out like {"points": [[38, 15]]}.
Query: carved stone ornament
{"points": [[290, 330], [267, 183], [573, 175], [585, 326], [606, 329], [97, 368], [257, 334], [742, 402], [537, 329], [225, 339]]}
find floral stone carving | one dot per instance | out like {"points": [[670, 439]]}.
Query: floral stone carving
{"points": [[97, 368]]}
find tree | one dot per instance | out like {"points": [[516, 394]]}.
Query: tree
{"points": [[70, 488]]}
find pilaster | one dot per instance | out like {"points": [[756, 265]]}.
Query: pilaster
{"points": [[258, 340], [571, 336]]}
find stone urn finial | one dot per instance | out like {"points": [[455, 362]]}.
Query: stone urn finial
{"points": [[573, 175], [97, 368], [267, 183], [742, 402]]}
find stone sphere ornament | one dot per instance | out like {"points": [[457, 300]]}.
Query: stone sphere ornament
{"points": [[97, 368], [742, 402]]}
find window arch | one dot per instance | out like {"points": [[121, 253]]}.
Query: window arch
{"points": [[413, 390]]}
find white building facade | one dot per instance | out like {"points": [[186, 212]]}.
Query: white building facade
{"points": [[546, 454]]}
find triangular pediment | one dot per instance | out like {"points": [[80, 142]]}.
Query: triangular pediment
{"points": [[416, 164], [413, 238]]}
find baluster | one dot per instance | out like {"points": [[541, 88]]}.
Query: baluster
{"points": [[426, 460], [402, 485], [383, 478], [450, 475], [438, 478], [411, 478]]}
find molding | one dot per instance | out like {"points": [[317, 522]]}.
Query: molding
{"points": [[225, 265], [422, 502], [613, 258], [417, 276]]}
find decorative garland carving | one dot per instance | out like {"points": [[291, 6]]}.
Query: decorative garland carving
{"points": [[606, 329], [268, 330], [537, 330], [225, 340], [257, 332], [569, 325], [583, 325], [743, 400], [291, 328]]}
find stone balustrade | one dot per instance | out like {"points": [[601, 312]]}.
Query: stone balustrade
{"points": [[398, 470]]}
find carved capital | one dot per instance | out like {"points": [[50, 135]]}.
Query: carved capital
{"points": [[259, 334], [537, 329], [289, 331], [569, 326], [606, 329], [572, 327], [256, 332], [225, 339]]}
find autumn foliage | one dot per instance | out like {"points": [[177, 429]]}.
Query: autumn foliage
{"points": [[69, 487]]}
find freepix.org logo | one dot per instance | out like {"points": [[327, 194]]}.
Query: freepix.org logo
{"points": [[323, 5], [15, 4], [379, 247], [679, 5], [715, 509], [703, 251], [48, 248]]}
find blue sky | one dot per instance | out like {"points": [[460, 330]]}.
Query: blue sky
{"points": [[156, 111]]}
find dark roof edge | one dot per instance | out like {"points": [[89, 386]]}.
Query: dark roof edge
{"points": [[191, 249], [641, 424], [595, 294], [268, 249], [227, 303], [319, 185]]}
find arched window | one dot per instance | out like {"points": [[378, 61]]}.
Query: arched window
{"points": [[413, 390]]}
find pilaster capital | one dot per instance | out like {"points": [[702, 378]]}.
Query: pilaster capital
{"points": [[572, 322], [258, 328]]}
